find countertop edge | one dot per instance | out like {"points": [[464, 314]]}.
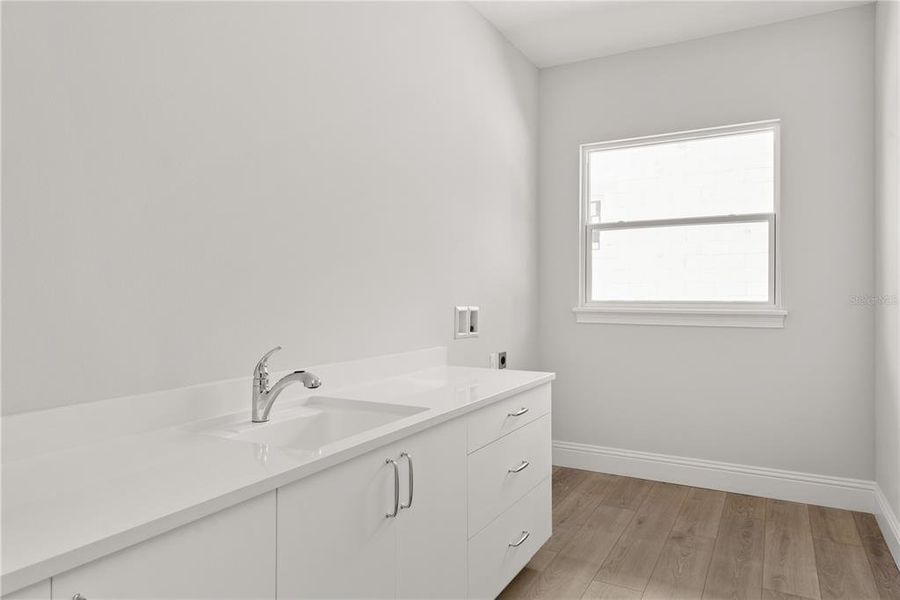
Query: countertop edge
{"points": [[34, 573]]}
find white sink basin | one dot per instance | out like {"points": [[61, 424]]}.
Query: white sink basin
{"points": [[319, 422]]}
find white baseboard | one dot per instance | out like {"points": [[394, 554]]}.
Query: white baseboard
{"points": [[822, 490], [888, 522]]}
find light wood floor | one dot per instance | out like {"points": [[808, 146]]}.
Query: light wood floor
{"points": [[622, 538]]}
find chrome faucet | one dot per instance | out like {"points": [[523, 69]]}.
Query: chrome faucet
{"points": [[263, 397]]}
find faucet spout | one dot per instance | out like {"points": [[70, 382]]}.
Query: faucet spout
{"points": [[264, 397]]}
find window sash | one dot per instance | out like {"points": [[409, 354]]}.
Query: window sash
{"points": [[588, 301], [586, 228]]}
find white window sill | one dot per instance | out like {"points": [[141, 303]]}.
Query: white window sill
{"points": [[697, 317]]}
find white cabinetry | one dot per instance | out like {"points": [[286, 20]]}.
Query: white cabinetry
{"points": [[503, 472], [230, 554], [501, 549], [472, 498], [432, 533], [509, 467], [494, 421], [336, 540]]}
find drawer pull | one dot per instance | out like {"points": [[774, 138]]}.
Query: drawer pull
{"points": [[520, 468], [518, 413], [521, 540], [393, 462], [410, 497]]}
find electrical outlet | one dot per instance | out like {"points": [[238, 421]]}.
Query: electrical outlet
{"points": [[501, 359]]}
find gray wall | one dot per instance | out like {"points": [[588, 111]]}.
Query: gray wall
{"points": [[189, 184], [797, 398], [887, 330]]}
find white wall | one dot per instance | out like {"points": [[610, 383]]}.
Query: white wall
{"points": [[887, 325], [797, 398], [189, 184]]}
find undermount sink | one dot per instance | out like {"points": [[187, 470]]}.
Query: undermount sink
{"points": [[320, 421]]}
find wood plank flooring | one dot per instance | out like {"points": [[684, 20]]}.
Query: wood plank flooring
{"points": [[619, 538]]}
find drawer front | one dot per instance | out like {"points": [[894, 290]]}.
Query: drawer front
{"points": [[493, 562], [496, 420], [502, 472]]}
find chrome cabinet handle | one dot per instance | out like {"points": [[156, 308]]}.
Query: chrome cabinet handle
{"points": [[518, 413], [410, 497], [521, 540], [520, 468], [393, 463], [78, 597]]}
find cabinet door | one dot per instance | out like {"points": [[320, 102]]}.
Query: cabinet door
{"points": [[432, 532], [230, 554], [334, 540]]}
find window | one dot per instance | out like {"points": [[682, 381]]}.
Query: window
{"points": [[682, 229]]}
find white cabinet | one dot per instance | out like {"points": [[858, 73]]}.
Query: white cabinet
{"points": [[504, 471], [230, 554], [509, 466], [336, 540], [501, 549], [503, 417], [472, 499], [432, 533]]}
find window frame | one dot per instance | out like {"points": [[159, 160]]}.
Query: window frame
{"points": [[704, 313]]}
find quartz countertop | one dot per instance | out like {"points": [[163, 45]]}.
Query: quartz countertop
{"points": [[65, 508]]}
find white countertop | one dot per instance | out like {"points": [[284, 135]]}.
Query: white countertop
{"points": [[68, 507]]}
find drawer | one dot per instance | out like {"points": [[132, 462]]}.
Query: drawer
{"points": [[493, 485], [496, 420], [493, 562]]}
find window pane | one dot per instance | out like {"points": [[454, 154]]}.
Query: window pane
{"points": [[723, 175], [720, 262]]}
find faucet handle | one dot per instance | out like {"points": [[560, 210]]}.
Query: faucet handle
{"points": [[261, 366]]}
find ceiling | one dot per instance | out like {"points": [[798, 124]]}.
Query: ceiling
{"points": [[562, 31]]}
